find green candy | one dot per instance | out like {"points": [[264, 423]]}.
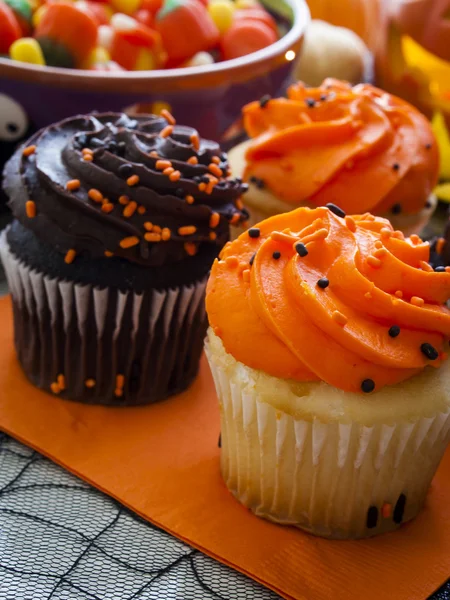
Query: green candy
{"points": [[55, 54], [21, 9]]}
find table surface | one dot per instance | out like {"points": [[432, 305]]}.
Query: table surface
{"points": [[61, 539]]}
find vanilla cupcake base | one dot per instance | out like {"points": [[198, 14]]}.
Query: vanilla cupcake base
{"points": [[336, 464], [262, 203]]}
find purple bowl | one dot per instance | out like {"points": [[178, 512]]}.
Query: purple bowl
{"points": [[208, 98]]}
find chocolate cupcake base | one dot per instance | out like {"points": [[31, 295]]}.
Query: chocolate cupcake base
{"points": [[103, 345]]}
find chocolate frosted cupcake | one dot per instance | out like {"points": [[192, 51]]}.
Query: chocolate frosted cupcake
{"points": [[117, 222]]}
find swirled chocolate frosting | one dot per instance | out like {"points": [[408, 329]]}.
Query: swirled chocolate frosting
{"points": [[140, 189]]}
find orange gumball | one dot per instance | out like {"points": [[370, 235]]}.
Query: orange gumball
{"points": [[186, 28], [257, 14], [245, 37]]}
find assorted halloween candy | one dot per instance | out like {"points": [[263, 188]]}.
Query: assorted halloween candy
{"points": [[133, 35]]}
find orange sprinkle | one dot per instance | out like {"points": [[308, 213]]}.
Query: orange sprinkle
{"points": [[108, 253], [279, 236], [130, 209], [235, 218], [417, 301], [239, 204], [399, 294], [128, 242], [231, 261], [350, 222], [368, 295], [89, 383], [320, 234], [61, 380], [415, 239], [214, 220], [87, 151], [118, 393], [210, 187], [187, 230], [425, 266], [165, 234], [167, 131], [88, 157], [168, 171], [152, 237], [167, 116], [374, 262], [246, 275], [190, 248], [156, 229], [120, 381], [339, 318], [141, 210], [386, 232], [215, 160], [212, 236], [398, 235], [124, 200], [195, 141], [175, 176], [148, 225], [190, 199], [133, 180], [380, 252], [379, 244], [163, 164], [153, 154], [107, 207], [29, 150], [30, 208], [440, 244], [202, 186], [70, 256], [193, 160], [55, 388], [95, 195], [386, 510], [215, 170], [73, 184]]}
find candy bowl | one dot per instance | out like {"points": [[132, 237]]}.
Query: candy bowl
{"points": [[208, 96]]}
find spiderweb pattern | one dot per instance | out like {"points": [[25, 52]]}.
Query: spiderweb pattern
{"points": [[60, 539]]}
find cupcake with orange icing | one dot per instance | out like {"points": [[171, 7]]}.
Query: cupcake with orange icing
{"points": [[327, 343], [357, 146]]}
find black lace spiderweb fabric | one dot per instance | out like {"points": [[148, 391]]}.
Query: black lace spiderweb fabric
{"points": [[60, 539]]}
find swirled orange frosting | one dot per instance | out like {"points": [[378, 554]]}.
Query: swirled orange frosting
{"points": [[310, 295], [360, 146]]}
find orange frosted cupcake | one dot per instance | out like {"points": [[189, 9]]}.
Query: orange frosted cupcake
{"points": [[360, 147], [327, 343]]}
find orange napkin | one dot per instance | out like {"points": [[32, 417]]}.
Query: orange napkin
{"points": [[162, 461]]}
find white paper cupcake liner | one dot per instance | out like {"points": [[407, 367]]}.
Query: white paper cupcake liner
{"points": [[337, 479], [90, 336]]}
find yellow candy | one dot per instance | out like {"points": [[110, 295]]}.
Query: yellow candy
{"points": [[27, 50], [442, 191], [97, 56], [128, 7], [145, 61], [221, 12], [158, 107], [37, 16], [246, 4], [443, 139]]}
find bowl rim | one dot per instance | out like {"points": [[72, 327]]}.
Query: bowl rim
{"points": [[182, 75]]}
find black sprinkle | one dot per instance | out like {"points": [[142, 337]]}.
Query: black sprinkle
{"points": [[219, 443], [82, 140], [372, 517], [264, 101], [440, 269], [394, 331], [179, 192], [260, 184], [245, 214], [224, 156], [111, 146], [196, 179], [125, 170], [428, 204], [428, 146], [323, 283], [336, 210], [396, 166], [310, 102], [323, 98], [302, 250], [368, 385], [254, 232], [399, 508], [97, 143], [204, 179], [251, 261], [429, 351], [244, 187], [396, 209], [276, 255]]}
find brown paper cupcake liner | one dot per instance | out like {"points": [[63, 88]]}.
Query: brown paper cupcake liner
{"points": [[104, 346]]}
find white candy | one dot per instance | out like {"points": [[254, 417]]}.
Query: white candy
{"points": [[105, 37], [200, 59], [121, 22]]}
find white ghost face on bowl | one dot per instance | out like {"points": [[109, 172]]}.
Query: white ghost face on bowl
{"points": [[13, 120]]}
